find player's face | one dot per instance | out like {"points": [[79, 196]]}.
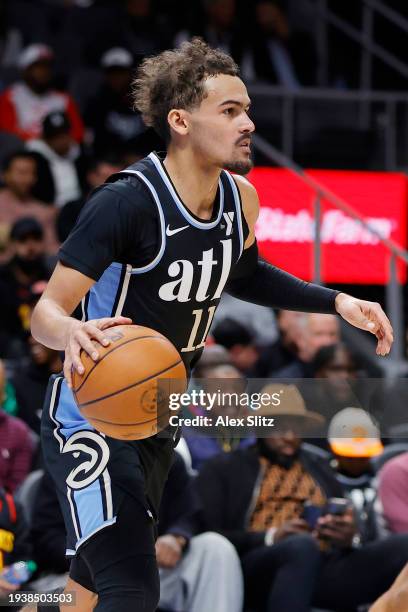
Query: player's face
{"points": [[220, 129]]}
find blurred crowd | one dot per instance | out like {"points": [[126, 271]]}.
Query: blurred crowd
{"points": [[322, 504]]}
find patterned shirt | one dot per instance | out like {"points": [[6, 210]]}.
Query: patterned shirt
{"points": [[282, 495]]}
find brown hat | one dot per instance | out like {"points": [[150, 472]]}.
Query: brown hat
{"points": [[291, 405]]}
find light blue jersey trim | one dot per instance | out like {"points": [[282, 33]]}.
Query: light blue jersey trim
{"points": [[89, 507], [200, 225], [86, 504], [102, 295], [68, 415]]}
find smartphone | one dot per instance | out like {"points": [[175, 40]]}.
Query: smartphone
{"points": [[311, 514], [337, 506]]}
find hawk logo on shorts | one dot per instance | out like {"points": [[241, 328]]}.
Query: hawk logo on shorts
{"points": [[95, 447]]}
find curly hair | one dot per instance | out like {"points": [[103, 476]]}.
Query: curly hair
{"points": [[175, 79]]}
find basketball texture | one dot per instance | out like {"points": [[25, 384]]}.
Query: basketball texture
{"points": [[120, 394]]}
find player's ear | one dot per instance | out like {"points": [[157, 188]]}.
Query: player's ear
{"points": [[178, 121]]}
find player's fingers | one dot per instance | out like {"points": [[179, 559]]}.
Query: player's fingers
{"points": [[107, 322], [85, 343], [94, 332], [67, 369], [74, 351], [381, 321]]}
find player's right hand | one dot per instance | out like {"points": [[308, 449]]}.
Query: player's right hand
{"points": [[81, 336]]}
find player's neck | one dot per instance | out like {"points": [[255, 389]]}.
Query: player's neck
{"points": [[196, 183]]}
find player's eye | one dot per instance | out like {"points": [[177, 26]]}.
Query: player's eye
{"points": [[228, 111]]}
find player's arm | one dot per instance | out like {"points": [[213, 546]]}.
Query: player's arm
{"points": [[105, 226], [53, 326], [257, 281]]}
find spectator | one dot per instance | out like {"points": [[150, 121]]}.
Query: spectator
{"points": [[56, 154], [17, 200], [15, 544], [238, 339], [393, 492], [16, 448], [201, 446], [256, 496], [314, 331], [138, 27], [30, 382], [218, 26], [109, 114], [336, 369], [99, 170], [213, 356], [24, 104], [22, 280], [197, 572], [285, 349], [277, 54], [354, 439]]}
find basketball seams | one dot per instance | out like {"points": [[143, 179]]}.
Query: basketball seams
{"points": [[156, 418], [111, 350], [155, 375]]}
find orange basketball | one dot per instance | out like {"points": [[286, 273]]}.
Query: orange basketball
{"points": [[120, 394]]}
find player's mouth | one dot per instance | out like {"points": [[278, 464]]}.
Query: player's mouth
{"points": [[246, 145]]}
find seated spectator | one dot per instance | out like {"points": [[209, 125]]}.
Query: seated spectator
{"points": [[109, 114], [99, 170], [15, 543], [198, 571], [354, 439], [213, 356], [202, 446], [285, 349], [30, 382], [256, 498], [262, 318], [337, 372], [277, 54], [22, 280], [25, 104], [314, 331], [56, 154], [16, 448], [239, 340], [17, 200], [393, 492]]}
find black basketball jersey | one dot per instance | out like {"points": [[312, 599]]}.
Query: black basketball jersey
{"points": [[155, 261]]}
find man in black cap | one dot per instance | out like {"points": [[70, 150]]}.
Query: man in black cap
{"points": [[57, 156], [22, 280]]}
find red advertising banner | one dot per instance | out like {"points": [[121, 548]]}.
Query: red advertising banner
{"points": [[350, 254]]}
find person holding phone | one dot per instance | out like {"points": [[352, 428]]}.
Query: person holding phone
{"points": [[292, 560]]}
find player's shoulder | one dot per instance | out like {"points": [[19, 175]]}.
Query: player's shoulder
{"points": [[125, 193], [249, 197]]}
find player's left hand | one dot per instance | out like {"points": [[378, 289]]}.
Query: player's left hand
{"points": [[368, 316]]}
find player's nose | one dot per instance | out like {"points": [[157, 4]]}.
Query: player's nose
{"points": [[248, 126]]}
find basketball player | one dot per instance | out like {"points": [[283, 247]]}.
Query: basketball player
{"points": [[157, 245]]}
